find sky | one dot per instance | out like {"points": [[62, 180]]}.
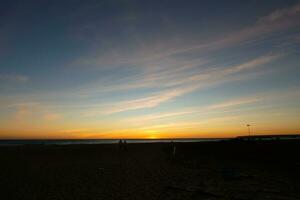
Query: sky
{"points": [[148, 69]]}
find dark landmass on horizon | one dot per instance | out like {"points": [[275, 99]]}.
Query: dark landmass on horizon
{"points": [[234, 169]]}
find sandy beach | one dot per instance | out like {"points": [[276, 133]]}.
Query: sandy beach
{"points": [[204, 170]]}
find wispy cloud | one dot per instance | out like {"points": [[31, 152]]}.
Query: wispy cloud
{"points": [[276, 21], [13, 78], [254, 63], [221, 107], [52, 116], [281, 14], [194, 110], [189, 84], [23, 112], [234, 103], [27, 111], [156, 74], [147, 102], [160, 65]]}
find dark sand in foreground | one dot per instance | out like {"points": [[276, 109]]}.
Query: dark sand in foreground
{"points": [[210, 170]]}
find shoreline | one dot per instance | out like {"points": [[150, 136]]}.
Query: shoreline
{"points": [[20, 142]]}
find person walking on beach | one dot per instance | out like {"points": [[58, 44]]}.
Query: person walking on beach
{"points": [[120, 144], [173, 149], [125, 144]]}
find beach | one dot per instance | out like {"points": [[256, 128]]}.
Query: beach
{"points": [[197, 170]]}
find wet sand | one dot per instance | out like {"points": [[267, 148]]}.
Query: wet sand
{"points": [[205, 170]]}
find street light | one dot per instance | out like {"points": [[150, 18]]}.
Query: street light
{"points": [[248, 125]]}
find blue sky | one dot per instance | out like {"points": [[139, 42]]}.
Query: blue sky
{"points": [[148, 69]]}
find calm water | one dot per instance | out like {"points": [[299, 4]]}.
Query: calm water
{"points": [[95, 141]]}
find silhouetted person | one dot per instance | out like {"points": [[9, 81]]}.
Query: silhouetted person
{"points": [[125, 144], [120, 144], [173, 149]]}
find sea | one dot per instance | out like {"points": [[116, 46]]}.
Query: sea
{"points": [[96, 141]]}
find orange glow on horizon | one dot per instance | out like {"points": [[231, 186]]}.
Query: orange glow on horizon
{"points": [[133, 134]]}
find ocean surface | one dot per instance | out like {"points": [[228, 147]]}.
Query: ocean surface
{"points": [[95, 141]]}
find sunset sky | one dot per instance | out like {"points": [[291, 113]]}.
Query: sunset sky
{"points": [[149, 69]]}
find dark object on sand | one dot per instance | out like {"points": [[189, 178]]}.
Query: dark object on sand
{"points": [[230, 174], [194, 190]]}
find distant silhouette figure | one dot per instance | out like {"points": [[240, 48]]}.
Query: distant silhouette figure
{"points": [[120, 144], [125, 144], [173, 149]]}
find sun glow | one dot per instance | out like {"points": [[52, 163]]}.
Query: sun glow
{"points": [[152, 134]]}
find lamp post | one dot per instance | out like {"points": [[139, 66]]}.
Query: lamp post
{"points": [[248, 125]]}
